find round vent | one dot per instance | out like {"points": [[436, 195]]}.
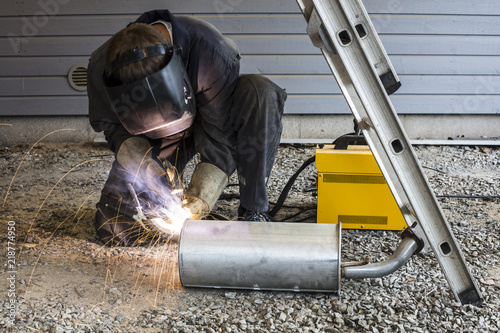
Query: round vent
{"points": [[77, 77]]}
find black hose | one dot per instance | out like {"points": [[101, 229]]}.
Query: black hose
{"points": [[299, 213], [288, 187], [469, 196]]}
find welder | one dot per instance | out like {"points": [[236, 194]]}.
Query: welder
{"points": [[163, 89]]}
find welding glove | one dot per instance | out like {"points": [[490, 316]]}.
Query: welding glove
{"points": [[135, 155], [205, 188]]}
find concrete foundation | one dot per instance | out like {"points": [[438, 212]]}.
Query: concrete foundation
{"points": [[310, 128], [429, 127], [28, 130]]}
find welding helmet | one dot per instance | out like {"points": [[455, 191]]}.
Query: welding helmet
{"points": [[158, 106]]}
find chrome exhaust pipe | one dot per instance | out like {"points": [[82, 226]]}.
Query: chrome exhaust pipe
{"points": [[405, 250], [301, 257], [260, 256]]}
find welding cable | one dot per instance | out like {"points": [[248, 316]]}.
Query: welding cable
{"points": [[298, 213], [309, 161], [288, 187], [296, 206], [469, 196], [215, 217], [437, 170], [229, 196], [284, 193], [307, 218], [343, 136]]}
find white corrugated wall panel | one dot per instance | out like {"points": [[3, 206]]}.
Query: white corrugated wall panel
{"points": [[446, 52]]}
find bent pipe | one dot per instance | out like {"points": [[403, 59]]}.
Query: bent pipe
{"points": [[405, 250]]}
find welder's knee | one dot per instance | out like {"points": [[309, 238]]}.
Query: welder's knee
{"points": [[260, 89]]}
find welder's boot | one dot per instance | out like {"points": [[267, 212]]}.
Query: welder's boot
{"points": [[252, 216], [205, 188], [114, 225], [114, 221]]}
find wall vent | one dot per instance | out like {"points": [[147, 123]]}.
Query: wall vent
{"points": [[77, 77]]}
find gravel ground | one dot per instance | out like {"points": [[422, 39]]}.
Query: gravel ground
{"points": [[64, 280]]}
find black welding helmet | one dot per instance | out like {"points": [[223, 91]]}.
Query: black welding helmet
{"points": [[158, 106]]}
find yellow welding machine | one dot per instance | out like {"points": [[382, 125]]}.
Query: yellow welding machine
{"points": [[352, 190]]}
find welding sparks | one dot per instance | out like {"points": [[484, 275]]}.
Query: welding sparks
{"points": [[177, 192], [173, 225], [158, 203], [169, 217]]}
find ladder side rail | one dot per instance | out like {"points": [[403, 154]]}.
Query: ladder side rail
{"points": [[374, 142], [385, 122], [373, 137], [372, 106]]}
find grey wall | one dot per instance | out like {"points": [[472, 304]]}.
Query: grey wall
{"points": [[445, 52]]}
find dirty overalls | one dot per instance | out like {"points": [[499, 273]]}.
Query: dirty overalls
{"points": [[237, 124]]}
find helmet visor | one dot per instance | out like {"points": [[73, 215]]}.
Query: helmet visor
{"points": [[157, 106]]}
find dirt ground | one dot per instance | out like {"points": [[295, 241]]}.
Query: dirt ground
{"points": [[48, 195], [51, 204]]}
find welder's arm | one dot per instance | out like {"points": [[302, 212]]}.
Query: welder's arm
{"points": [[135, 155], [214, 140], [218, 73], [206, 186]]}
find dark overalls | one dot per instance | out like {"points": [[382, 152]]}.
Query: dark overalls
{"points": [[237, 124]]}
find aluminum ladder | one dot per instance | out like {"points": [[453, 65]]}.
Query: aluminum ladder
{"points": [[359, 62]]}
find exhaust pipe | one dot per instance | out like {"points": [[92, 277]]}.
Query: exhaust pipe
{"points": [[301, 257], [260, 256], [405, 250]]}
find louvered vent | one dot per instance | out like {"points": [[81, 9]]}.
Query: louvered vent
{"points": [[77, 77]]}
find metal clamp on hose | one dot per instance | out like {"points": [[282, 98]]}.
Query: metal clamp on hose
{"points": [[409, 232]]}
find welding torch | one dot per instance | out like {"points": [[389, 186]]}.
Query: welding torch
{"points": [[139, 217]]}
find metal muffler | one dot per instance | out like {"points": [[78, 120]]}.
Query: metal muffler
{"points": [[260, 256], [275, 256]]}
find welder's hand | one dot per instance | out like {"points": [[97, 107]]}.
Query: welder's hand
{"points": [[197, 207], [135, 155], [206, 186]]}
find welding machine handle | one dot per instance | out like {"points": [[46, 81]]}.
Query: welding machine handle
{"points": [[344, 141]]}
